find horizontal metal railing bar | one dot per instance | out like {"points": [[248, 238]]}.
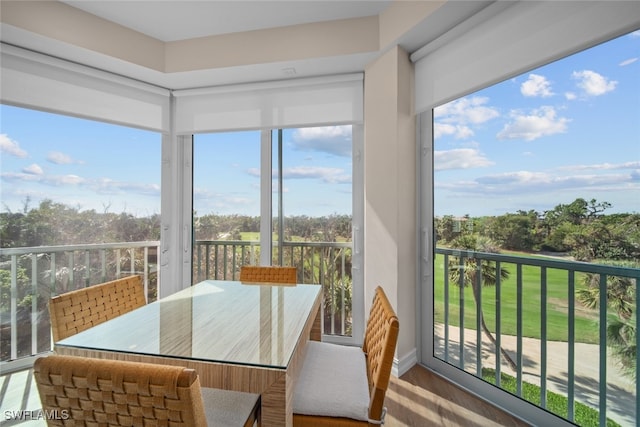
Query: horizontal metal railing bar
{"points": [[584, 267], [74, 248], [286, 244]]}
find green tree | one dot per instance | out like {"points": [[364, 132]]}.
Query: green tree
{"points": [[464, 272], [445, 228], [621, 292], [514, 231], [621, 332], [621, 336]]}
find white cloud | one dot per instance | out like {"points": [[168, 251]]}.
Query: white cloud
{"points": [[527, 182], [541, 122], [9, 146], [459, 131], [328, 175], [51, 180], [628, 62], [34, 174], [461, 158], [536, 86], [109, 186], [592, 83], [323, 132], [33, 169], [603, 166], [466, 111], [334, 140], [570, 96], [59, 158]]}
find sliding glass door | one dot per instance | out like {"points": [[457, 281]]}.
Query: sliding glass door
{"points": [[529, 211]]}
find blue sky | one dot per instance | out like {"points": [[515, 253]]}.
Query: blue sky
{"points": [[92, 165], [566, 130], [81, 163], [316, 172]]}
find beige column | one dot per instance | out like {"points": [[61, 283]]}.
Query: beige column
{"points": [[390, 190]]}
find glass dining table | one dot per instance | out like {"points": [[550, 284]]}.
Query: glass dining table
{"points": [[237, 336]]}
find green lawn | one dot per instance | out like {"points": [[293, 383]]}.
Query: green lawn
{"points": [[586, 321], [556, 403]]}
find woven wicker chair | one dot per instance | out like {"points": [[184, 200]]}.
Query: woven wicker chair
{"points": [[75, 311], [269, 274], [329, 368], [116, 393]]}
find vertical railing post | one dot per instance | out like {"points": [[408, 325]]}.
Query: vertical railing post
{"points": [[87, 268], [72, 280], [224, 263], [498, 322], [146, 272], [519, 329], [637, 326], [461, 311], [343, 312], [603, 350], [132, 258], [446, 307], [103, 266], [34, 303], [479, 314], [52, 269], [118, 258], [14, 307], [571, 339], [215, 262], [543, 337]]}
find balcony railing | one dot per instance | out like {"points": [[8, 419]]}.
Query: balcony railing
{"points": [[30, 276], [532, 308], [508, 306]]}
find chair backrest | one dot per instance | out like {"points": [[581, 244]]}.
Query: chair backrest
{"points": [[118, 393], [75, 311], [381, 337], [269, 274]]}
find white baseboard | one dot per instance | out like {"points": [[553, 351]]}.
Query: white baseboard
{"points": [[404, 363]]}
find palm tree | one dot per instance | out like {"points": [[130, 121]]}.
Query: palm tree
{"points": [[621, 297], [621, 335], [620, 293], [466, 274]]}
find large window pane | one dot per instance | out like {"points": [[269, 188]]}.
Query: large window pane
{"points": [[536, 197], [311, 198], [226, 203], [80, 205], [316, 216]]}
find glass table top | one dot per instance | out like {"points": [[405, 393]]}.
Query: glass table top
{"points": [[219, 321]]}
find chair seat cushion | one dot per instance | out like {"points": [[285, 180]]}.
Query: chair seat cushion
{"points": [[332, 382], [226, 408]]}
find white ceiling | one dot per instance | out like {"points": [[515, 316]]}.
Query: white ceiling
{"points": [[179, 20]]}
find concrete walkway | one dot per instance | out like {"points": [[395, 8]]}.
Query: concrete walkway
{"points": [[620, 389]]}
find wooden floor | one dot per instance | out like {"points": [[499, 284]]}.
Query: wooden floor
{"points": [[419, 398], [422, 398]]}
